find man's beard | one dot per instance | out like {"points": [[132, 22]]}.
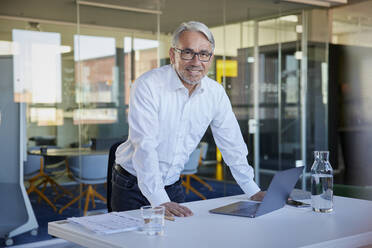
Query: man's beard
{"points": [[188, 81]]}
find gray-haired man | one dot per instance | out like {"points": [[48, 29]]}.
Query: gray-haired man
{"points": [[170, 109]]}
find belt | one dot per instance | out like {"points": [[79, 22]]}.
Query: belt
{"points": [[124, 172]]}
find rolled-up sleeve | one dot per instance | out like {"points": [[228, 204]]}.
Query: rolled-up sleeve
{"points": [[229, 139], [143, 131]]}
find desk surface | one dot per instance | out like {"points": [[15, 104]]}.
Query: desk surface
{"points": [[68, 152], [349, 225]]}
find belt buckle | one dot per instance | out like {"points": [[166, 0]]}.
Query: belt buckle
{"points": [[118, 168]]}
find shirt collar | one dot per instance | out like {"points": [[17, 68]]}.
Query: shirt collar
{"points": [[177, 84]]}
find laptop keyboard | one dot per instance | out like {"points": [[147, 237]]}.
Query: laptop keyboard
{"points": [[247, 208]]}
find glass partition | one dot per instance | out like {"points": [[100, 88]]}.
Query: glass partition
{"points": [[350, 73], [275, 73], [107, 62]]}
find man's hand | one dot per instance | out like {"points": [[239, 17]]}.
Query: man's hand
{"points": [[258, 196], [173, 208]]}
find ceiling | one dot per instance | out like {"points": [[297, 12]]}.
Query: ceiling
{"points": [[211, 12]]}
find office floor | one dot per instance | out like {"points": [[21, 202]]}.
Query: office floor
{"points": [[223, 174]]}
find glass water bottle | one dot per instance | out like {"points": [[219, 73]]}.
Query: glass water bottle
{"points": [[321, 183]]}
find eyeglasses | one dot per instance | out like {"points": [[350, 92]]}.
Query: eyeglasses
{"points": [[189, 54]]}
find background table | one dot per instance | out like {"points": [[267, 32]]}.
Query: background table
{"points": [[67, 152], [349, 225]]}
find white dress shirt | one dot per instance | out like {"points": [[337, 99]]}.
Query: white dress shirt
{"points": [[166, 125]]}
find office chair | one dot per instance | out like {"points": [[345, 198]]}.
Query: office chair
{"points": [[189, 170], [34, 173], [203, 155], [54, 167], [92, 170], [111, 162]]}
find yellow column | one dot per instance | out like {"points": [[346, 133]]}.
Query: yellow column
{"points": [[227, 68], [219, 171]]}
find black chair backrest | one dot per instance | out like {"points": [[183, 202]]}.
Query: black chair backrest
{"points": [[111, 162]]}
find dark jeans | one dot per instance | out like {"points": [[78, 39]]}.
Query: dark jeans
{"points": [[126, 195]]}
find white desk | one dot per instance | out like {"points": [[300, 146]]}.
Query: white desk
{"points": [[349, 225]]}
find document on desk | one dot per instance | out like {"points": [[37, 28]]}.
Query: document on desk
{"points": [[113, 222]]}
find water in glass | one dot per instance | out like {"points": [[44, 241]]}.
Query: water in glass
{"points": [[153, 220]]}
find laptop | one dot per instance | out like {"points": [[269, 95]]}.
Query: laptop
{"points": [[276, 196]]}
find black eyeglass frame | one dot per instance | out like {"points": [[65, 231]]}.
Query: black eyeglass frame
{"points": [[194, 53]]}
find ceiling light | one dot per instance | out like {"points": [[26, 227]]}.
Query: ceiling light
{"points": [[118, 7], [65, 49], [322, 3], [289, 18]]}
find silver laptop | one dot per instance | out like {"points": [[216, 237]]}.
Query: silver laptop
{"points": [[276, 196]]}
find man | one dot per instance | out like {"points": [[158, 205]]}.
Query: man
{"points": [[169, 112]]}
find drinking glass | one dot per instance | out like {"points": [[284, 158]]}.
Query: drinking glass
{"points": [[153, 219]]}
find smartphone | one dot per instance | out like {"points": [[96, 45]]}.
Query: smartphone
{"points": [[298, 204]]}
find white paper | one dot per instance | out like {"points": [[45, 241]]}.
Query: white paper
{"points": [[113, 222]]}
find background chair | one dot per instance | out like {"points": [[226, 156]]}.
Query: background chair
{"points": [[53, 165], [203, 151], [55, 168], [203, 156], [189, 170], [111, 162], [88, 170], [35, 175]]}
